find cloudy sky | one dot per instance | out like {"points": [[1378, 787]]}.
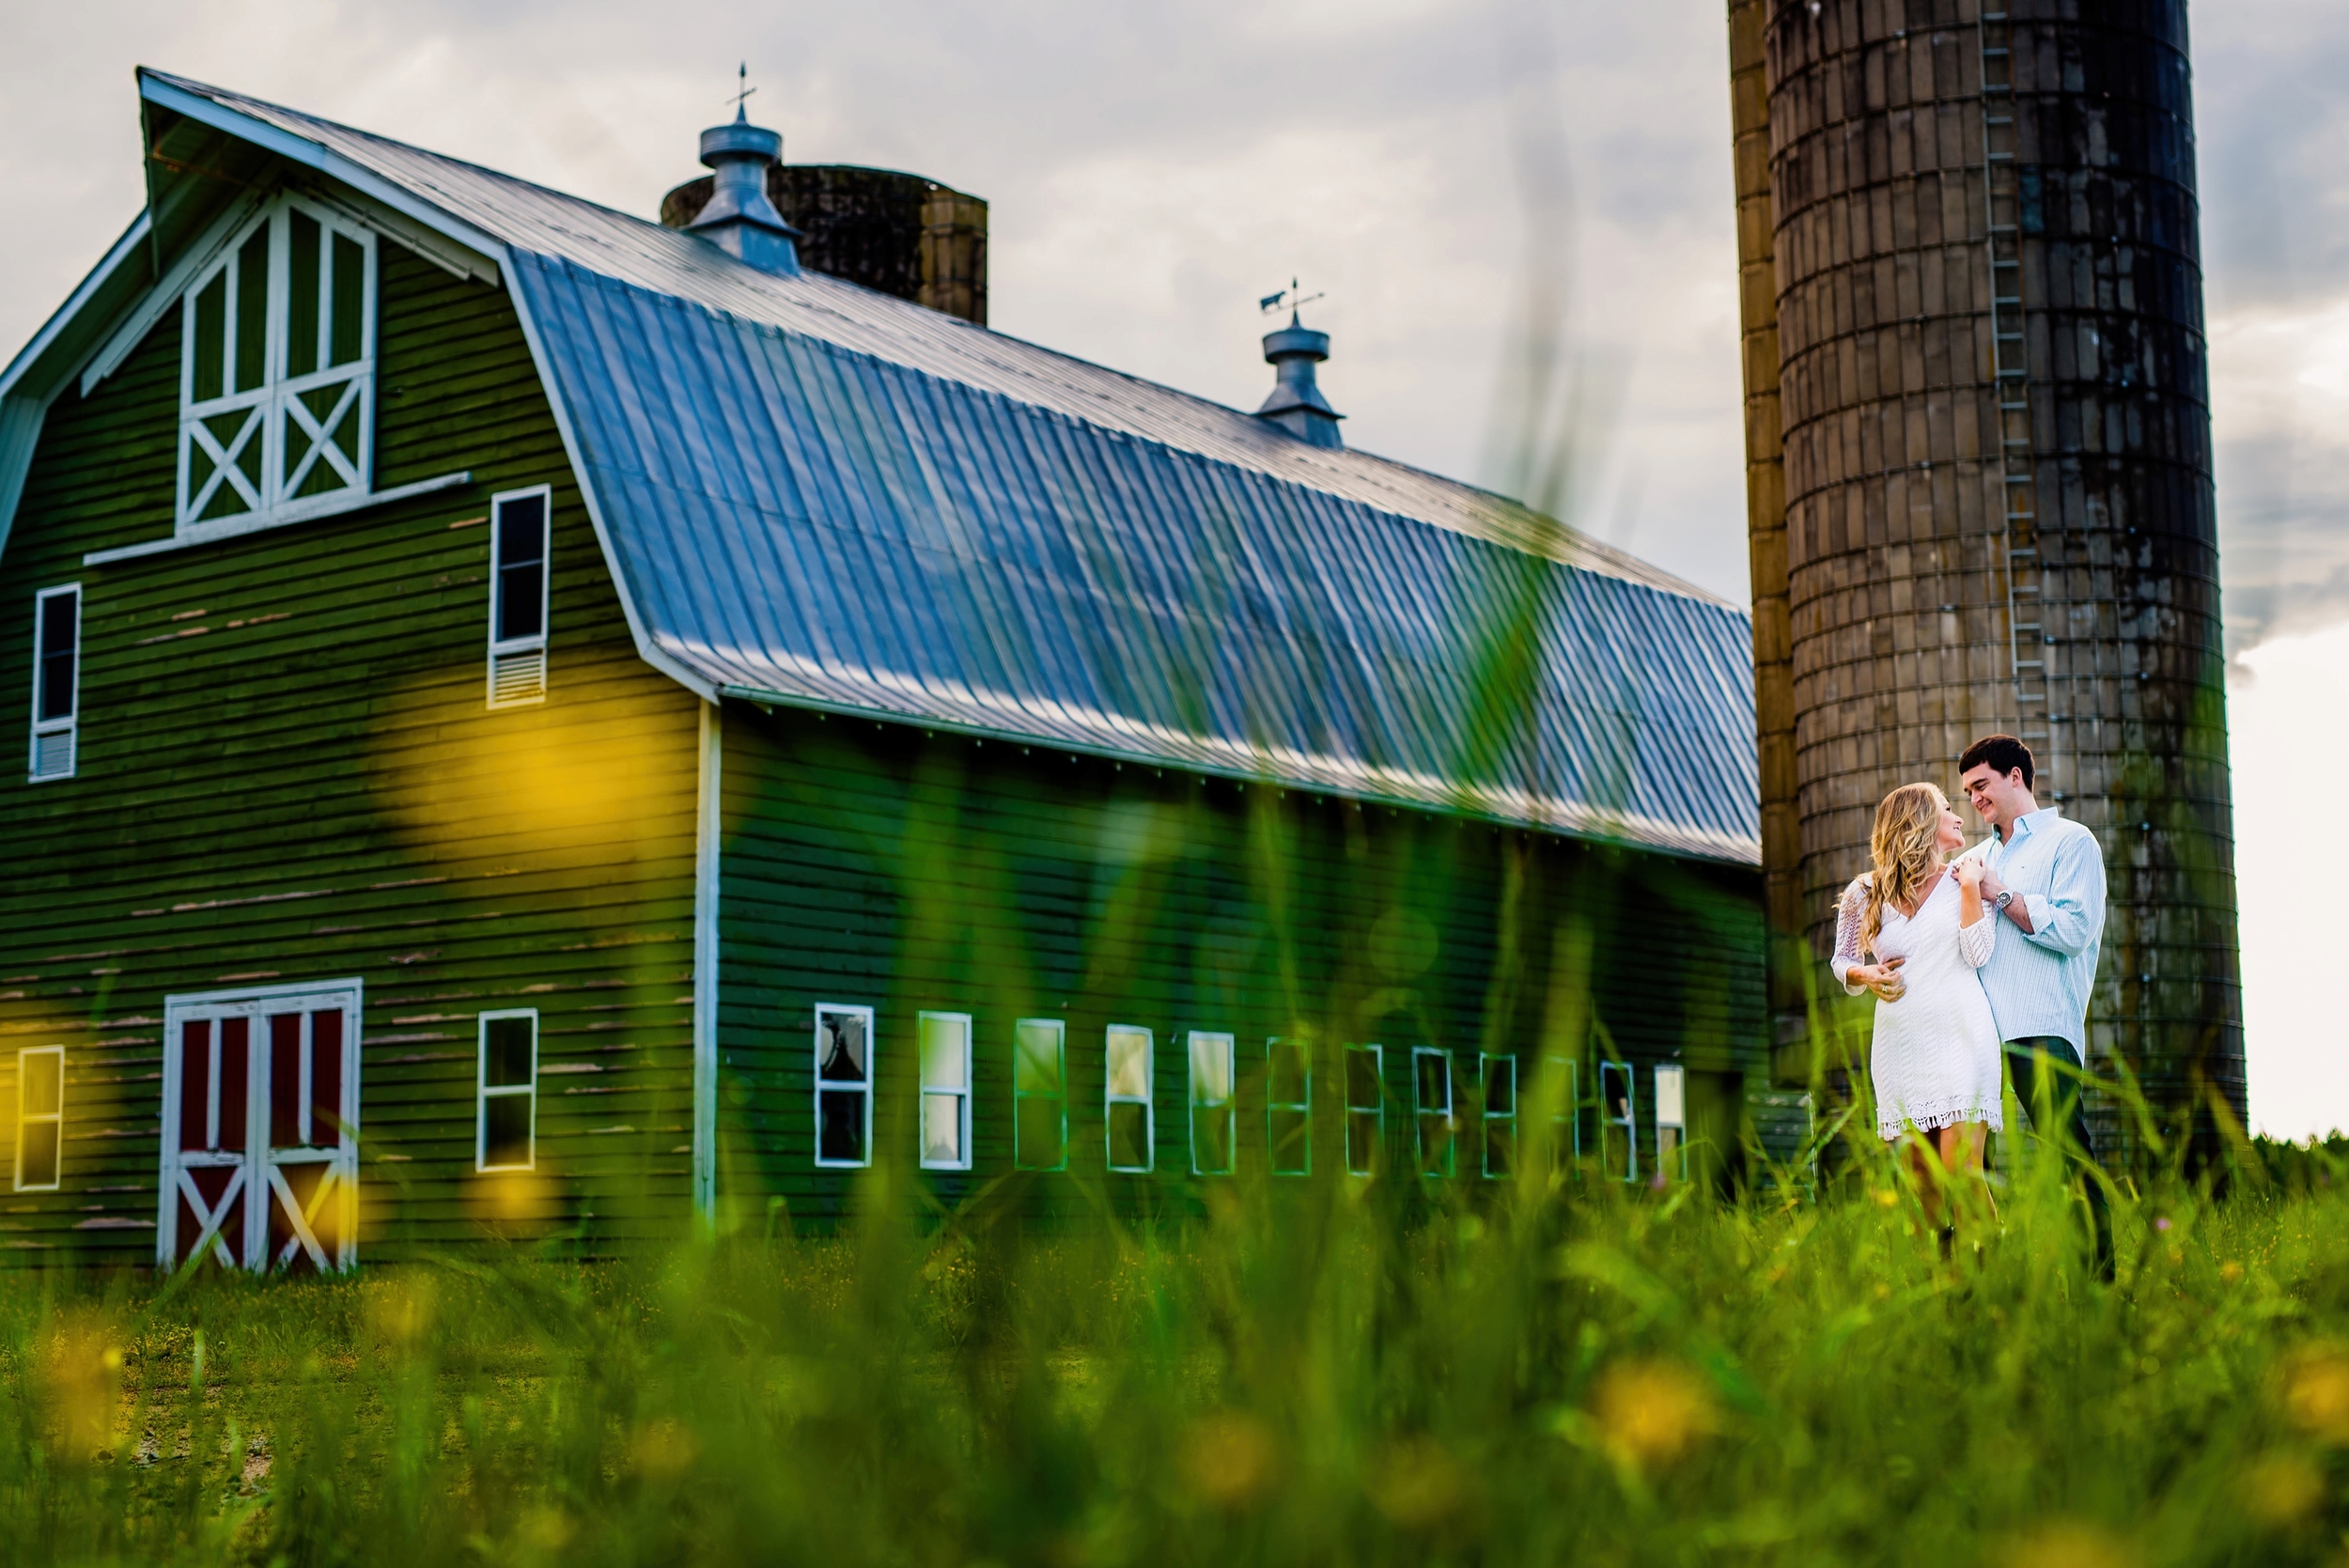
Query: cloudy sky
{"points": [[1152, 170]]}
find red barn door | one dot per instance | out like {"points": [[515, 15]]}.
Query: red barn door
{"points": [[261, 1112]]}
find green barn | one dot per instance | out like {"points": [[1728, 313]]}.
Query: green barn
{"points": [[544, 723]]}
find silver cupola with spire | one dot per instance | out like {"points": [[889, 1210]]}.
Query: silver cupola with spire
{"points": [[739, 219], [1297, 404]]}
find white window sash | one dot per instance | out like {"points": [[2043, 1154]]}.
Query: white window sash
{"points": [[1671, 1082], [960, 1098], [1228, 1047], [1628, 1123], [1058, 1028], [1302, 1108], [1110, 1097], [517, 665], [1493, 1068], [51, 738], [863, 1086], [484, 1090], [1423, 1111], [1376, 1110], [26, 1118]]}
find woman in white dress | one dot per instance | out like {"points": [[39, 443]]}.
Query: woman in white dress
{"points": [[1914, 930]]}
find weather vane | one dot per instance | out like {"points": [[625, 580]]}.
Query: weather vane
{"points": [[743, 73], [1287, 298]]}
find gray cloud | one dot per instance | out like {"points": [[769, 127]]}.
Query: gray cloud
{"points": [[1153, 169]]}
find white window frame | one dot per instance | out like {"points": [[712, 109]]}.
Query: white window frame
{"points": [[1422, 1111], [1565, 1125], [1110, 1097], [929, 1090], [1491, 1066], [1229, 1104], [280, 390], [1670, 1081], [484, 1092], [1628, 1123], [1302, 1107], [53, 1118], [1059, 1028], [1377, 1113], [522, 660], [872, 1076], [70, 725]]}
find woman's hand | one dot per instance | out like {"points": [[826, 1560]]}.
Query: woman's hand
{"points": [[1970, 904], [1883, 979], [1969, 873]]}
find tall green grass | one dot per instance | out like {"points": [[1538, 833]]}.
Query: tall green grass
{"points": [[1394, 1372]]}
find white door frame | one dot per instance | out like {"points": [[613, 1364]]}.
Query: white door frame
{"points": [[261, 1168]]}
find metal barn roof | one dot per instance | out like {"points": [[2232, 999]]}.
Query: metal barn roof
{"points": [[815, 494]]}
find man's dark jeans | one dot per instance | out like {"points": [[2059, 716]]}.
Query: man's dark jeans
{"points": [[2059, 1113]]}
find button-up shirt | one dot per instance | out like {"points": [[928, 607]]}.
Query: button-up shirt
{"points": [[2039, 980]]}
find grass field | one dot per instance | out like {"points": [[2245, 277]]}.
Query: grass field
{"points": [[1569, 1372]]}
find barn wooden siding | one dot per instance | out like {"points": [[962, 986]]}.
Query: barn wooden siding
{"points": [[875, 865], [287, 774]]}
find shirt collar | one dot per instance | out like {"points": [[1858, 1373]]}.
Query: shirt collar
{"points": [[2023, 824]]}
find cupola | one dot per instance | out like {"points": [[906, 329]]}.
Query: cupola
{"points": [[739, 219], [1297, 404]]}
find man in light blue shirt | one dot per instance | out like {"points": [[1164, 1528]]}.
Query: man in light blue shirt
{"points": [[2046, 877]]}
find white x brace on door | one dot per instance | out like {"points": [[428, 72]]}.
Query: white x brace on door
{"points": [[261, 1151]]}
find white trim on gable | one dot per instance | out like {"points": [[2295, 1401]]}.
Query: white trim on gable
{"points": [[163, 296]]}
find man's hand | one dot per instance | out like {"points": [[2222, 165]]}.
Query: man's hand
{"points": [[1883, 979]]}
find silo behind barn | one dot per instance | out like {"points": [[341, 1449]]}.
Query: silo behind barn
{"points": [[1980, 489]]}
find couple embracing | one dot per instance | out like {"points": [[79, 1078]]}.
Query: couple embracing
{"points": [[1977, 956]]}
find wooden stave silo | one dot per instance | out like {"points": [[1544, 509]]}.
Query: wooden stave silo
{"points": [[1891, 161]]}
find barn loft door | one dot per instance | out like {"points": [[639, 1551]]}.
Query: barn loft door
{"points": [[261, 1115]]}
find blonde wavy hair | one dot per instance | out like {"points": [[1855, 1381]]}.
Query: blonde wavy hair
{"points": [[1907, 822]]}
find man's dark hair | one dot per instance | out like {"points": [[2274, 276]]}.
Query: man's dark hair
{"points": [[2003, 753]]}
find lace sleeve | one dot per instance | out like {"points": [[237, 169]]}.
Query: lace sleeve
{"points": [[1849, 912], [1975, 942]]}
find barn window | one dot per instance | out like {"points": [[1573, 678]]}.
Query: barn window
{"points": [[1671, 1120], [518, 597], [844, 1085], [505, 1133], [1431, 1110], [56, 680], [1365, 1108], [1289, 1106], [1499, 1115], [1618, 1120], [945, 1091], [277, 371], [1562, 1094], [40, 1117], [1039, 1094], [1214, 1107], [1127, 1097]]}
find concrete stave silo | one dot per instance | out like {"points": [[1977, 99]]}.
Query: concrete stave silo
{"points": [[1980, 491]]}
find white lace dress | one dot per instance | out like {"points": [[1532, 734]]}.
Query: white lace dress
{"points": [[1936, 1057]]}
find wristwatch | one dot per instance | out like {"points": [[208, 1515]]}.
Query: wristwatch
{"points": [[2006, 896]]}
